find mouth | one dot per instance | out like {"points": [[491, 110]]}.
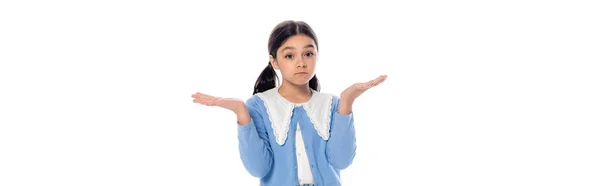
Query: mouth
{"points": [[298, 73]]}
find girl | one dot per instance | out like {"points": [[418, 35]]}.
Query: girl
{"points": [[292, 134]]}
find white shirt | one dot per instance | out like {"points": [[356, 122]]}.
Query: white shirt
{"points": [[304, 173]]}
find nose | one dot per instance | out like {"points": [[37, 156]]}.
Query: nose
{"points": [[302, 64]]}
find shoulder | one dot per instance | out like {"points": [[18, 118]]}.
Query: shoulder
{"points": [[254, 102], [259, 100], [253, 99]]}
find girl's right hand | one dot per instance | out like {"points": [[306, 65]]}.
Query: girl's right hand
{"points": [[235, 105]]}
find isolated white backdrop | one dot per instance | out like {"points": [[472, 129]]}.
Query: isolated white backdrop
{"points": [[494, 93]]}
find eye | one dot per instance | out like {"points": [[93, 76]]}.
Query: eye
{"points": [[309, 54], [288, 56]]}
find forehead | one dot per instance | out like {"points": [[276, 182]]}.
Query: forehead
{"points": [[297, 41]]}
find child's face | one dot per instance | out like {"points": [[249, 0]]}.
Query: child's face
{"points": [[296, 59]]}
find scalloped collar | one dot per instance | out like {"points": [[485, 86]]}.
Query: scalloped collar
{"points": [[279, 109]]}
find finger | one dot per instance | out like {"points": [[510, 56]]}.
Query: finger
{"points": [[206, 102], [365, 86], [197, 94], [378, 78], [374, 85], [369, 86], [374, 81], [380, 81], [210, 103], [366, 82], [198, 101], [206, 96]]}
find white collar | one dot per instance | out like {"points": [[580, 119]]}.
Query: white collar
{"points": [[279, 109]]}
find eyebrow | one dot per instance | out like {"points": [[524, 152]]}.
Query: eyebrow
{"points": [[292, 48]]}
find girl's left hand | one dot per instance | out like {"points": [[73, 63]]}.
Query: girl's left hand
{"points": [[352, 92]]}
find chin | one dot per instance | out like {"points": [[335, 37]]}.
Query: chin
{"points": [[299, 83]]}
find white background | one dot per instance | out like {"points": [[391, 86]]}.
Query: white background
{"points": [[478, 93]]}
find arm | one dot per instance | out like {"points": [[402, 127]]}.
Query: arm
{"points": [[254, 147], [341, 146]]}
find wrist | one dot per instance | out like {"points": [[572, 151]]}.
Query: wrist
{"points": [[345, 107], [346, 101], [243, 117]]}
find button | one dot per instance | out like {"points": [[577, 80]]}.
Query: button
{"points": [[299, 154]]}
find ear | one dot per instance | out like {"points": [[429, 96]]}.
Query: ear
{"points": [[274, 62]]}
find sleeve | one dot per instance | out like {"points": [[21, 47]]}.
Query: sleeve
{"points": [[254, 148], [341, 146]]}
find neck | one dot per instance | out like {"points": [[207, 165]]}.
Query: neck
{"points": [[295, 93]]}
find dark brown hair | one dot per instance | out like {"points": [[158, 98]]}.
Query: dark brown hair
{"points": [[268, 77]]}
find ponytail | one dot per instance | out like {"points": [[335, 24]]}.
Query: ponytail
{"points": [[266, 80], [314, 83]]}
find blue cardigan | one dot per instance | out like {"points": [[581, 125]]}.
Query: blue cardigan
{"points": [[275, 164]]}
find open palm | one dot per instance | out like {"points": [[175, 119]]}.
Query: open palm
{"points": [[357, 89], [235, 105]]}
